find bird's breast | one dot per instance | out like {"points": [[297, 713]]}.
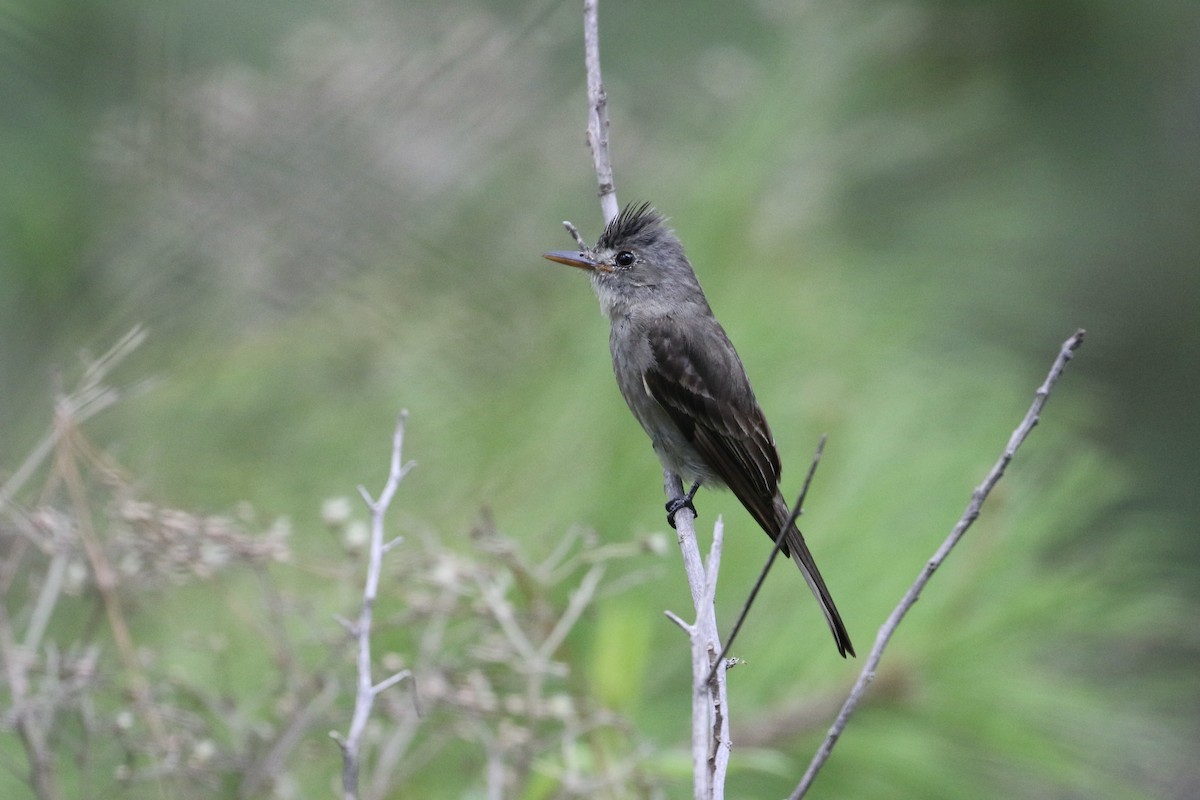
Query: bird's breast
{"points": [[632, 356]]}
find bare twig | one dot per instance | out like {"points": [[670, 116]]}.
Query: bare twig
{"points": [[580, 599], [718, 700], [493, 594], [686, 533], [24, 714], [368, 690], [571, 229], [89, 398], [71, 446], [32, 712], [910, 597], [598, 112], [710, 720]]}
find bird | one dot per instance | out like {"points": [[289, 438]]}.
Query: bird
{"points": [[685, 383]]}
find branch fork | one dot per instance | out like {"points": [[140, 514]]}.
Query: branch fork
{"points": [[360, 628]]}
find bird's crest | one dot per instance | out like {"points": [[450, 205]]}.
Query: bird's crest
{"points": [[625, 228]]}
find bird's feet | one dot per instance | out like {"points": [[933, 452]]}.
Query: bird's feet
{"points": [[673, 505]]}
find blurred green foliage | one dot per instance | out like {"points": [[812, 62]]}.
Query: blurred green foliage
{"points": [[898, 209]]}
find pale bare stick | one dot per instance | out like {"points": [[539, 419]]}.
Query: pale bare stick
{"points": [[597, 130], [360, 628], [718, 698], [710, 718], [910, 597], [571, 229]]}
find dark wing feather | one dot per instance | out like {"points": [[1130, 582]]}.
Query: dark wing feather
{"points": [[705, 391]]}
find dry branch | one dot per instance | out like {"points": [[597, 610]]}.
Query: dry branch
{"points": [[360, 628], [978, 497]]}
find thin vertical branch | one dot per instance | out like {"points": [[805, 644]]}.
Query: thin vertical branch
{"points": [[714, 676], [367, 689], [597, 130], [969, 516], [23, 714], [710, 718], [686, 533], [33, 716], [70, 444]]}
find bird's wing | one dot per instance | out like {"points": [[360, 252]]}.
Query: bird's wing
{"points": [[704, 389]]}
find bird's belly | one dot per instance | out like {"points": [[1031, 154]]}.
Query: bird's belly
{"points": [[673, 449]]}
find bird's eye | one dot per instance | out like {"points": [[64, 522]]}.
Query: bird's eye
{"points": [[625, 259]]}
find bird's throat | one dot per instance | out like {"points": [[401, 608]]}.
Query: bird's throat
{"points": [[612, 302]]}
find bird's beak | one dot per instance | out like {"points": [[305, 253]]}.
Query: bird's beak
{"points": [[575, 258]]}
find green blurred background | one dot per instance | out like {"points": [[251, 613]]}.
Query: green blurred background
{"points": [[324, 212]]}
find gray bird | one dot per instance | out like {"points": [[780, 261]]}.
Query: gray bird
{"points": [[684, 381]]}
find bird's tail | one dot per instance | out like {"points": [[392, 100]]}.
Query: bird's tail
{"points": [[794, 545]]}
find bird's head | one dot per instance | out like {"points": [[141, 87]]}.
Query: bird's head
{"points": [[638, 262]]}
